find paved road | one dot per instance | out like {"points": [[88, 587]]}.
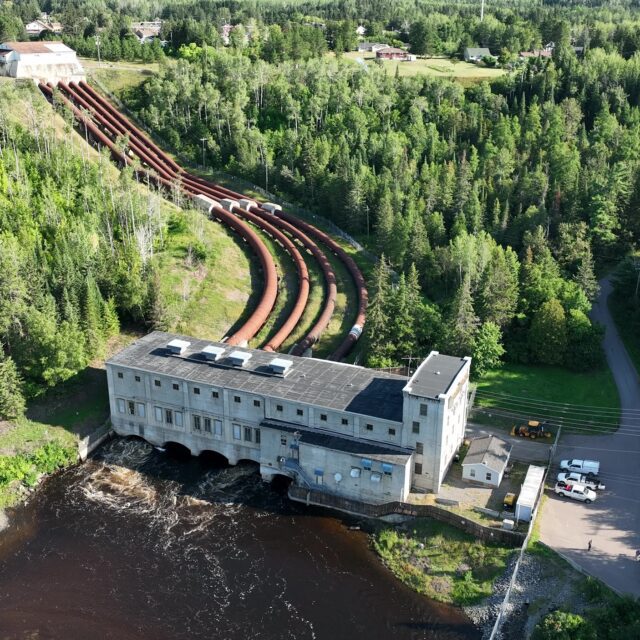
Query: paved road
{"points": [[523, 449], [613, 521]]}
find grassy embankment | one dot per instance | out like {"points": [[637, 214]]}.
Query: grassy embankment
{"points": [[464, 72], [440, 561], [531, 391]]}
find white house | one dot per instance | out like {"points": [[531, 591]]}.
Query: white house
{"points": [[40, 61], [372, 47], [486, 460], [360, 30], [36, 28]]}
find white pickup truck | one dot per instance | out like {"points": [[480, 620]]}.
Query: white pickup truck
{"points": [[587, 467], [590, 482], [575, 491]]}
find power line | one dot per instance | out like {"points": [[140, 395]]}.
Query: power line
{"points": [[577, 425], [550, 402]]}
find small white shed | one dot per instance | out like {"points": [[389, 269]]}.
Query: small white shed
{"points": [[529, 493], [486, 460]]}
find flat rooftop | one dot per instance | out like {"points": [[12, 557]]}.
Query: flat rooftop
{"points": [[435, 375], [332, 385]]}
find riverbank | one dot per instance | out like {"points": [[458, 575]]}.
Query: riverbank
{"points": [[28, 451], [440, 561]]}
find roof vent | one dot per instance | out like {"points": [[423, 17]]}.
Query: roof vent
{"points": [[280, 366], [178, 347], [239, 358], [211, 352]]}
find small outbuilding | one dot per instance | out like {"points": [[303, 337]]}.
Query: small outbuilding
{"points": [[486, 460], [475, 54]]}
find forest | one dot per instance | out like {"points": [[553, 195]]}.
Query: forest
{"points": [[76, 248], [491, 205]]}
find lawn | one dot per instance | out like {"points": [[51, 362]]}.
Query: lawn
{"points": [[116, 76], [581, 402], [464, 72], [440, 561]]}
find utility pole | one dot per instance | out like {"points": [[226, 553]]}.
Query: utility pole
{"points": [[482, 11], [98, 46]]}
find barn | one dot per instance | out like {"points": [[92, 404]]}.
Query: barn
{"points": [[41, 61]]}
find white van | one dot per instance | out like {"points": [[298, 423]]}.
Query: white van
{"points": [[588, 467]]}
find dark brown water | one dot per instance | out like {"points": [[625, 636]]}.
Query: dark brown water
{"points": [[136, 544]]}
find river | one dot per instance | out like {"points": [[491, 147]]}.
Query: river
{"points": [[139, 544]]}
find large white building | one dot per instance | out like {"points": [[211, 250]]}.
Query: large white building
{"points": [[40, 61], [348, 430]]}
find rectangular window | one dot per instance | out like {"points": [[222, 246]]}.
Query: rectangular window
{"points": [[257, 436], [387, 469], [283, 441], [120, 375], [366, 464], [355, 472], [196, 391], [217, 427], [392, 432], [137, 378], [345, 421], [323, 417], [417, 468], [207, 425], [299, 412], [157, 383], [178, 417], [419, 448], [237, 432], [472, 473], [248, 436], [278, 407], [319, 474], [196, 423], [369, 427], [131, 406], [141, 411], [168, 416], [488, 476], [176, 386], [236, 399], [215, 395], [256, 403], [121, 405], [415, 427], [158, 412], [423, 409]]}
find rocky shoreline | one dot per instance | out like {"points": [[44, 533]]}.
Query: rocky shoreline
{"points": [[543, 585]]}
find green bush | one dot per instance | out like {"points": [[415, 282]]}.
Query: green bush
{"points": [[177, 223], [561, 625]]}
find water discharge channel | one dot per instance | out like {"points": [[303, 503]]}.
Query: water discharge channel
{"points": [[137, 544]]}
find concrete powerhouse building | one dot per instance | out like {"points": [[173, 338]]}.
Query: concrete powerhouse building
{"points": [[348, 430]]}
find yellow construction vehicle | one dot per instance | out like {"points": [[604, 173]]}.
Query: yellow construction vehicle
{"points": [[533, 430]]}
